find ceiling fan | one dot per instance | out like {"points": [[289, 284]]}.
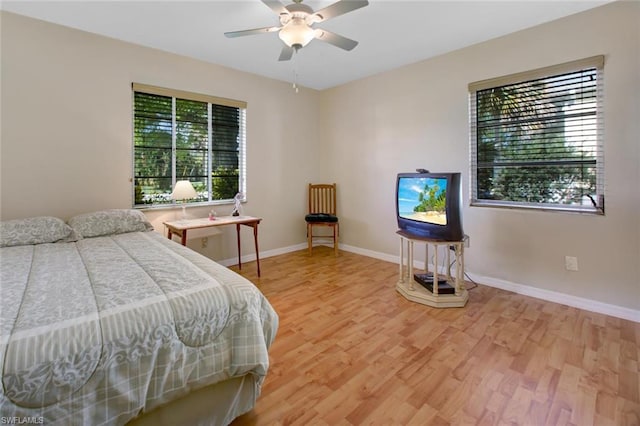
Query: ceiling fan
{"points": [[296, 25]]}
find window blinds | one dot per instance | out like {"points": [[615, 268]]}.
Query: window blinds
{"points": [[181, 135], [536, 138]]}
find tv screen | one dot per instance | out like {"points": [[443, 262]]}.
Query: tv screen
{"points": [[423, 199], [428, 205]]}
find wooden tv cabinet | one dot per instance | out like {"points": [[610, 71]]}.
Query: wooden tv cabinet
{"points": [[451, 291]]}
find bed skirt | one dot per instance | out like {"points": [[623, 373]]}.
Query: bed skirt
{"points": [[216, 404]]}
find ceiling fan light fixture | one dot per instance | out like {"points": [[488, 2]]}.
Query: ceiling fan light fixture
{"points": [[296, 33], [296, 25]]}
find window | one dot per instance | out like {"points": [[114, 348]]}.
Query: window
{"points": [[186, 136], [536, 139]]}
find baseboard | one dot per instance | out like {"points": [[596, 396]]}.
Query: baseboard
{"points": [[270, 253], [561, 298], [370, 253], [548, 295], [263, 254], [538, 293]]}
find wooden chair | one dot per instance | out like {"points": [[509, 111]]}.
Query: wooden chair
{"points": [[322, 212]]}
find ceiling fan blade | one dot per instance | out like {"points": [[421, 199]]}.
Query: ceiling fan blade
{"points": [[254, 31], [339, 8], [276, 6], [336, 39], [286, 53]]}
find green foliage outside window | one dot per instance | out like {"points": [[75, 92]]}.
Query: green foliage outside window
{"points": [[172, 146], [535, 141]]}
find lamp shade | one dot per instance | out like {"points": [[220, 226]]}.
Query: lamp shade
{"points": [[183, 191], [296, 33]]}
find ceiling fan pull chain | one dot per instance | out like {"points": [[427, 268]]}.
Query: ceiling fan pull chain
{"points": [[295, 71]]}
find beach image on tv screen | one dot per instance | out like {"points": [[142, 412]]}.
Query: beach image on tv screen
{"points": [[423, 199]]}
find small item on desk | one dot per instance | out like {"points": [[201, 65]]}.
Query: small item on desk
{"points": [[212, 215], [237, 200]]}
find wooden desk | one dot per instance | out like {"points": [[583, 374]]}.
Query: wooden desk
{"points": [[180, 227]]}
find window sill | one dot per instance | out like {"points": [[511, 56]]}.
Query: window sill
{"points": [[173, 206], [539, 207]]}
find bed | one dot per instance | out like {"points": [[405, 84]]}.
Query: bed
{"points": [[105, 322]]}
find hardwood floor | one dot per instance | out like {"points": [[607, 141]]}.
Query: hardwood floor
{"points": [[350, 350]]}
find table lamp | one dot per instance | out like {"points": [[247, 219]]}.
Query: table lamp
{"points": [[183, 190]]}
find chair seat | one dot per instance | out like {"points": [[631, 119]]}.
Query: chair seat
{"points": [[320, 217]]}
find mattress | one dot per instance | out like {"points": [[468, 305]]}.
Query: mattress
{"points": [[103, 329]]}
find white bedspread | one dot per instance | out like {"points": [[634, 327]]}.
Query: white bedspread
{"points": [[97, 331]]}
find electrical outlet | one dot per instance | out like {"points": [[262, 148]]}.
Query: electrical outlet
{"points": [[205, 241], [571, 263]]}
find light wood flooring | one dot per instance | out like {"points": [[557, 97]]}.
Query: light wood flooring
{"points": [[350, 350]]}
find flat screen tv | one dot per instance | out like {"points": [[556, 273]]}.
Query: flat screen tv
{"points": [[428, 205]]}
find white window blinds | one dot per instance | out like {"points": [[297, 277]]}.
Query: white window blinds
{"points": [[180, 135], [537, 138]]}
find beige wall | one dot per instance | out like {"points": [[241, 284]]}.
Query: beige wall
{"points": [[62, 155], [417, 117], [66, 129]]}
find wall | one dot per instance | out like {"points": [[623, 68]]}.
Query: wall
{"points": [[417, 117], [66, 130], [66, 146]]}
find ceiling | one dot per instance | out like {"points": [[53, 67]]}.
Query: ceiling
{"points": [[391, 33]]}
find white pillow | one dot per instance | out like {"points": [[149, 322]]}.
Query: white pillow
{"points": [[35, 230], [109, 222]]}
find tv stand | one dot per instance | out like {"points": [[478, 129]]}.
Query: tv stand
{"points": [[419, 287]]}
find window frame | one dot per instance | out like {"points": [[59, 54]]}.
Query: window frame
{"points": [[210, 100], [597, 203]]}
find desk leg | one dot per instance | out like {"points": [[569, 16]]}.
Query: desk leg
{"points": [[183, 236], [239, 256], [255, 239]]}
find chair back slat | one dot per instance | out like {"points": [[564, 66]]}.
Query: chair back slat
{"points": [[322, 198]]}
